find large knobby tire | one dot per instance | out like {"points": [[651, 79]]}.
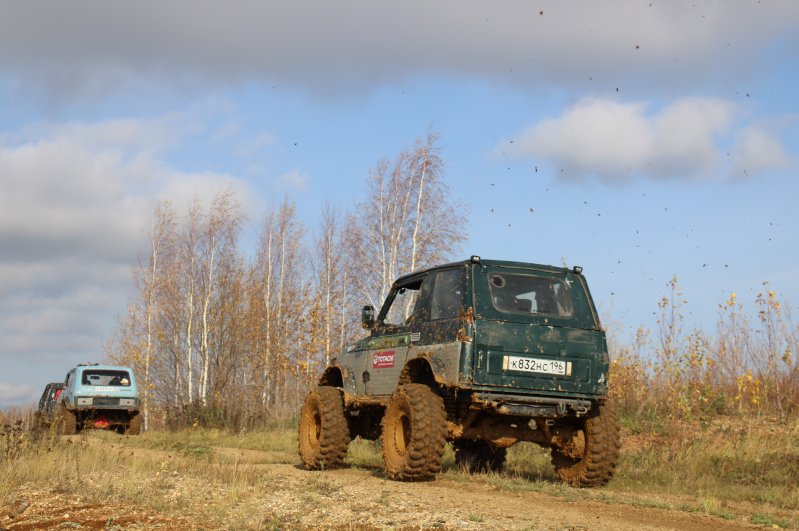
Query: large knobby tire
{"points": [[479, 456], [414, 433], [324, 434], [588, 454], [134, 426], [66, 422]]}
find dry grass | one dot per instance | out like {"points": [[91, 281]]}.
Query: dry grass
{"points": [[748, 365], [727, 467], [166, 472], [731, 467], [729, 459]]}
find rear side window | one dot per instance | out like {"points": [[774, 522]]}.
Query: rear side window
{"points": [[105, 377], [448, 294], [513, 293]]}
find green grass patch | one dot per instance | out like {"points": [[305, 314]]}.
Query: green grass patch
{"points": [[770, 521], [364, 453]]}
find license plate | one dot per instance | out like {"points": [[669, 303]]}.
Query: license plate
{"points": [[518, 363]]}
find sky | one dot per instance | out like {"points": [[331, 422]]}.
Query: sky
{"points": [[641, 140]]}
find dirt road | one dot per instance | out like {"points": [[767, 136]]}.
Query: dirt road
{"points": [[349, 498]]}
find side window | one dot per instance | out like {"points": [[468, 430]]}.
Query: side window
{"points": [[448, 294], [68, 381]]}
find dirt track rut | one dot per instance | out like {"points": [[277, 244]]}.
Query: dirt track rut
{"points": [[356, 498]]}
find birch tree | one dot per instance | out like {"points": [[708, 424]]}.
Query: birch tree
{"points": [[278, 272], [408, 220], [214, 331], [161, 247], [217, 250], [327, 273]]}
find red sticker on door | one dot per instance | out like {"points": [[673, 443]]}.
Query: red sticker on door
{"points": [[383, 360]]}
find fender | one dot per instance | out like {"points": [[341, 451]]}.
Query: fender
{"points": [[424, 369], [339, 376]]}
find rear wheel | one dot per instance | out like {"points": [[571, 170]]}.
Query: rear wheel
{"points": [[586, 454], [65, 421], [134, 426], [479, 456], [414, 433], [324, 435]]}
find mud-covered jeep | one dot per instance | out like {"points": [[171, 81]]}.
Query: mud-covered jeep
{"points": [[99, 396], [482, 353]]}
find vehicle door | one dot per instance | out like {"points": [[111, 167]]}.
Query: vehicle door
{"points": [[394, 329], [68, 394]]}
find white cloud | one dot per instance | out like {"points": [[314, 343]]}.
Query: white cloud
{"points": [[616, 141], [593, 136], [684, 140], [75, 205], [758, 150], [252, 146], [181, 188], [62, 198], [17, 395], [293, 181], [358, 45]]}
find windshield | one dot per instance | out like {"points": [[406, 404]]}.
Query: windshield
{"points": [[105, 377], [526, 294], [401, 309]]}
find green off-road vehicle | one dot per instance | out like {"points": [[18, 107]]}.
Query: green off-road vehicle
{"points": [[482, 353]]}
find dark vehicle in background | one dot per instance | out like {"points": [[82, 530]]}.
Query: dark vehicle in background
{"points": [[47, 407], [101, 397], [482, 353]]}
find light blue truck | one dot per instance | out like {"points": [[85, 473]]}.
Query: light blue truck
{"points": [[101, 397]]}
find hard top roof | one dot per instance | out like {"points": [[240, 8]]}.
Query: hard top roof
{"points": [[487, 262], [84, 367]]}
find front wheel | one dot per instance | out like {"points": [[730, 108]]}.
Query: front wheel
{"points": [[585, 454], [414, 433], [324, 435]]}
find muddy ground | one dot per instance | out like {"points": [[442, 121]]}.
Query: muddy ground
{"points": [[349, 498]]}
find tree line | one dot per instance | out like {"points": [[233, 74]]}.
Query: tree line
{"points": [[219, 335], [222, 336]]}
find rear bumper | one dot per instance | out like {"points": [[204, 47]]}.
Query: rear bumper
{"points": [[533, 406], [120, 403], [126, 409]]}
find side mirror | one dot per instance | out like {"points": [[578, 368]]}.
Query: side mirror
{"points": [[368, 316]]}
